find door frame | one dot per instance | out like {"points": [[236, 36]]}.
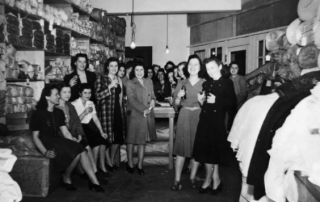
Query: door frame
{"points": [[238, 48]]}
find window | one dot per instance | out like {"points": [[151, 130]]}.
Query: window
{"points": [[212, 52], [201, 54], [219, 53], [262, 52]]}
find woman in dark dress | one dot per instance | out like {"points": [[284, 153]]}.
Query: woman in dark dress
{"points": [[211, 137], [110, 108], [65, 151], [80, 74]]}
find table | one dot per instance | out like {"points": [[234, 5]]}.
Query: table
{"points": [[167, 112]]}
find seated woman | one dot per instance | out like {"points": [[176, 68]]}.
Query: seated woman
{"points": [[73, 124], [91, 124], [162, 88], [65, 151]]}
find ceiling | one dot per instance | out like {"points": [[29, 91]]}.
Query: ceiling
{"points": [[147, 7]]}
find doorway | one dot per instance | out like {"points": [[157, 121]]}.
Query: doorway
{"points": [[142, 54], [240, 58]]}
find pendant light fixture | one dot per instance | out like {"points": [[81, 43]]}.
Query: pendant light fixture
{"points": [[133, 29], [167, 47]]}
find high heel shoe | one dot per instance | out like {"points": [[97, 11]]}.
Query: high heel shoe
{"points": [[176, 186], [204, 190], [130, 169], [104, 174], [140, 171], [69, 187], [96, 187], [193, 184], [110, 168], [217, 190]]}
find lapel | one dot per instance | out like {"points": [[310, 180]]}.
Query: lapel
{"points": [[137, 82]]}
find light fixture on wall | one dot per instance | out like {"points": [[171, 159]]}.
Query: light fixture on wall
{"points": [[133, 29], [167, 47]]}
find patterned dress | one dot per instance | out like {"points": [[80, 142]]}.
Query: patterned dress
{"points": [[106, 102]]}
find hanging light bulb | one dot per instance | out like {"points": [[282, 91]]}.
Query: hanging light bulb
{"points": [[132, 45], [167, 47], [167, 50], [268, 57]]}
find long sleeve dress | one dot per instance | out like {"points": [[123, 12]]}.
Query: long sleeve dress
{"points": [[188, 118], [211, 136]]}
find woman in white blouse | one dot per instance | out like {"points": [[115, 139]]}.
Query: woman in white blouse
{"points": [[91, 124]]}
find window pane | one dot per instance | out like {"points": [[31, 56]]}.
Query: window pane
{"points": [[261, 47], [212, 50], [260, 62]]}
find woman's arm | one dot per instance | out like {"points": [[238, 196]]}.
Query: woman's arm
{"points": [[98, 124], [65, 132], [101, 92], [37, 141], [177, 100]]}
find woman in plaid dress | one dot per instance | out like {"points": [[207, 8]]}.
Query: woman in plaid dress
{"points": [[110, 108]]}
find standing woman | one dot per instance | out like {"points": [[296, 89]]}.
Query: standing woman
{"points": [[111, 112], [141, 124], [162, 88], [80, 75], [188, 117], [65, 151], [211, 138]]}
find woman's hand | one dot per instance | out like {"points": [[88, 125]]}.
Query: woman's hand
{"points": [[88, 110], [104, 135], [211, 98], [79, 138], [152, 103], [181, 93], [146, 112], [201, 97], [50, 154], [73, 81]]}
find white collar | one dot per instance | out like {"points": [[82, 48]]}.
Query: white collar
{"points": [[305, 71]]}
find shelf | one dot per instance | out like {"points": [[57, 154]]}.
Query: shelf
{"points": [[95, 41], [23, 14], [49, 53], [77, 35], [21, 80], [56, 2]]}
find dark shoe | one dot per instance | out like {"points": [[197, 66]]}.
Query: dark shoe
{"points": [[69, 187], [140, 171], [102, 178], [110, 168], [130, 169], [104, 174], [176, 186], [193, 184], [186, 171], [96, 187], [217, 190], [204, 190]]}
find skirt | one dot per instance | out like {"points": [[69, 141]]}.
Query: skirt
{"points": [[94, 138], [66, 150], [186, 132]]}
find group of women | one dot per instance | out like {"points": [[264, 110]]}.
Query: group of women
{"points": [[81, 123]]}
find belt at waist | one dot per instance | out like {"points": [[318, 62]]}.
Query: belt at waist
{"points": [[191, 108]]}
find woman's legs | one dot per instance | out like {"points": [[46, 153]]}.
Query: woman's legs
{"points": [[178, 167], [114, 149], [87, 167], [209, 172], [68, 171], [92, 159], [215, 176], [108, 158], [95, 152], [130, 154], [141, 149], [194, 169], [102, 156]]}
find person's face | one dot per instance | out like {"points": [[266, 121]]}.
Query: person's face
{"points": [[180, 71], [139, 72], [113, 68], [160, 76], [234, 69], [194, 67], [65, 93], [150, 74], [121, 72], [54, 97], [81, 63], [86, 94], [213, 69], [156, 69]]}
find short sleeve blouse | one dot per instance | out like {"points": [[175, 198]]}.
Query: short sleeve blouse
{"points": [[80, 108]]}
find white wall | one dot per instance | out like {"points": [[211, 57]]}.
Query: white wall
{"points": [[151, 30]]}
